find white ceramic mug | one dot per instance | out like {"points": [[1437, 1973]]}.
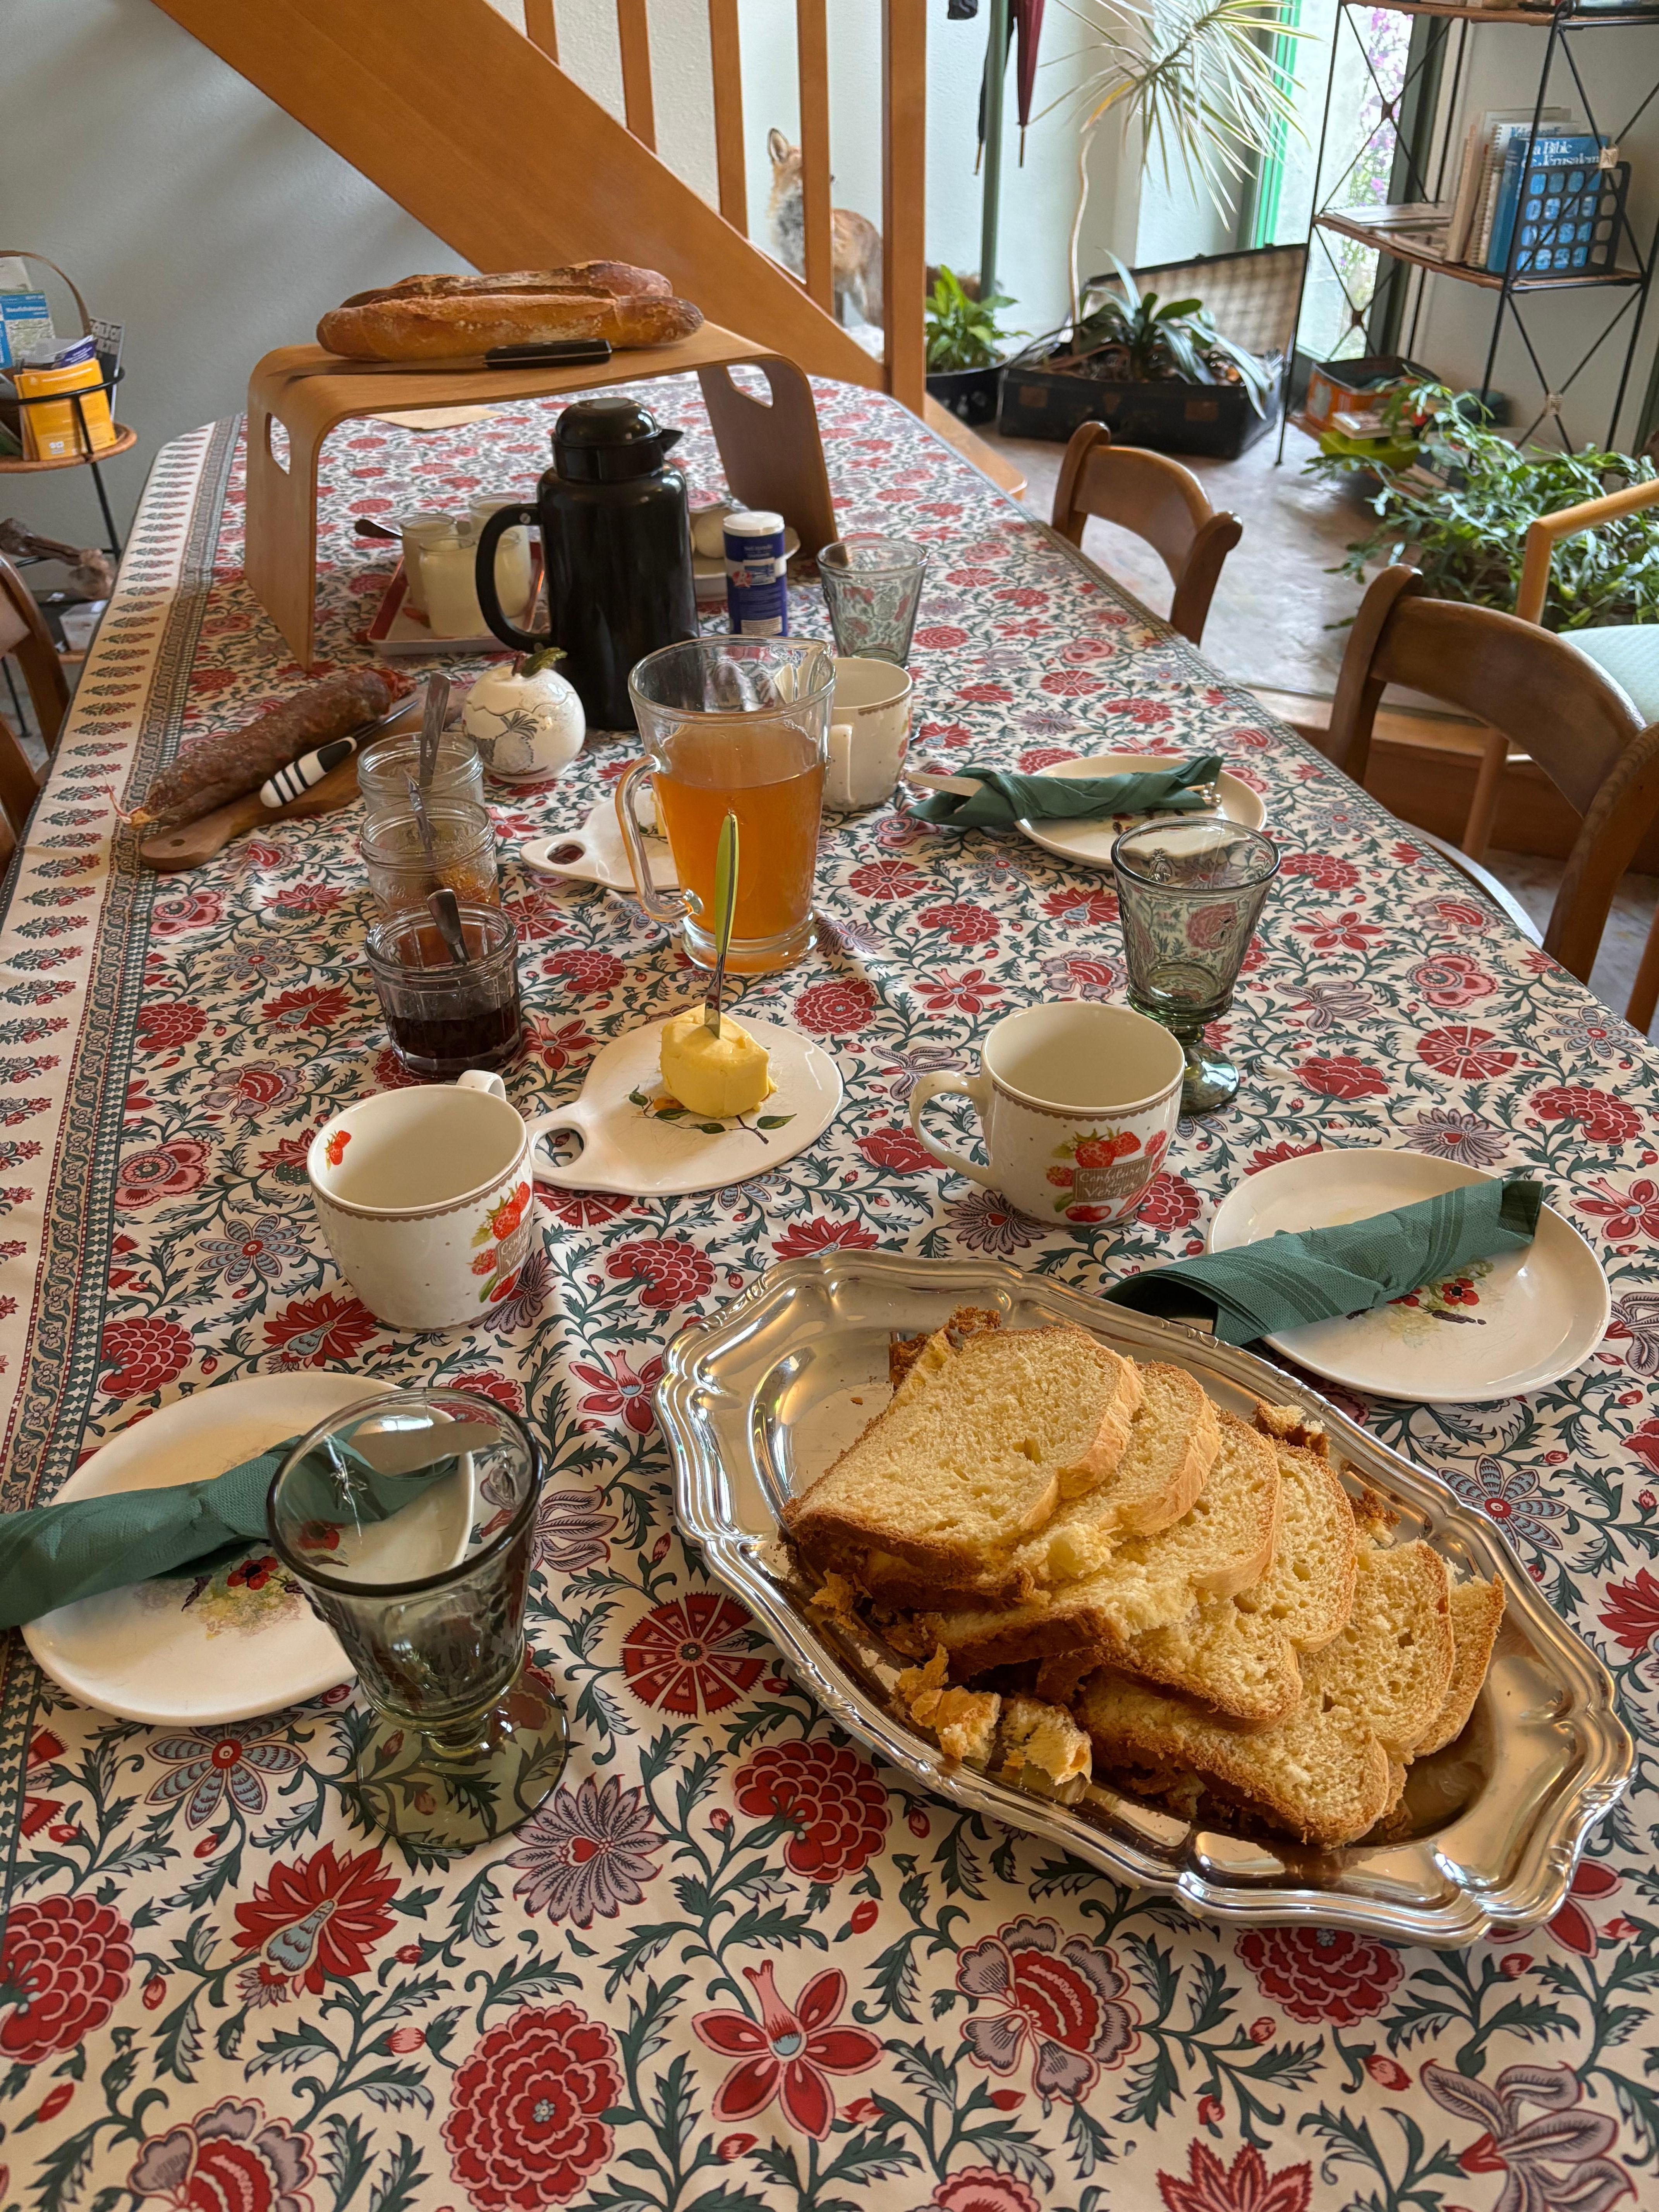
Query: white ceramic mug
{"points": [[869, 733], [1078, 1102], [428, 1199]]}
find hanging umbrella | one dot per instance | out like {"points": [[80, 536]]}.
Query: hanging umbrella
{"points": [[1028, 26], [1026, 23]]}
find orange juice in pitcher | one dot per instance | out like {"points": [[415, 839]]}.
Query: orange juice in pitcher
{"points": [[740, 726]]}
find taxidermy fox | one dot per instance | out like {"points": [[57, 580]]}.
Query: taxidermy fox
{"points": [[855, 243]]}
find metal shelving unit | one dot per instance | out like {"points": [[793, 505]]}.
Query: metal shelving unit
{"points": [[1424, 168]]}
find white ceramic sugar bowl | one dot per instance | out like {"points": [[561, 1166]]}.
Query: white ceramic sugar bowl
{"points": [[527, 721]]}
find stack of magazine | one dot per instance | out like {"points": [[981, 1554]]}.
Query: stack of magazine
{"points": [[1555, 185]]}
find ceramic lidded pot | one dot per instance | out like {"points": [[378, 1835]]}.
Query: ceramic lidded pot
{"points": [[527, 721]]}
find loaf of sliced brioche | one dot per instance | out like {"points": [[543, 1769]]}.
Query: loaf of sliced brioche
{"points": [[1333, 1766], [1222, 1544], [971, 1456], [1239, 1656]]}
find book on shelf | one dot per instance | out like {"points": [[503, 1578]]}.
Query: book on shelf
{"points": [[1577, 155], [1474, 201]]}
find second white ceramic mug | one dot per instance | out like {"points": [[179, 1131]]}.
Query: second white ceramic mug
{"points": [[1078, 1102], [869, 733], [428, 1199]]}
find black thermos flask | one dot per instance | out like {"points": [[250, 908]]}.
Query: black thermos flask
{"points": [[616, 544]]}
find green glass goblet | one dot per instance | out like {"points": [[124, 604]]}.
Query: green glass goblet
{"points": [[409, 1521], [1189, 895]]}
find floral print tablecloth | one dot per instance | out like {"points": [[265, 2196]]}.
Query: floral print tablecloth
{"points": [[731, 1965]]}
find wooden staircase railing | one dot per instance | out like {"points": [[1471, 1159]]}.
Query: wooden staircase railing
{"points": [[475, 129]]}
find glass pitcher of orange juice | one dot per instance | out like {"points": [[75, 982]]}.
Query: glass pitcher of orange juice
{"points": [[735, 725]]}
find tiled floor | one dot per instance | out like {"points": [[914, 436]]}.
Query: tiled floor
{"points": [[1276, 622]]}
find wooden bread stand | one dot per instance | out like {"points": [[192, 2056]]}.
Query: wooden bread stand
{"points": [[773, 455]]}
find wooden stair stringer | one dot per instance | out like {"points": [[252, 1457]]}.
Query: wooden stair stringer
{"points": [[474, 131]]}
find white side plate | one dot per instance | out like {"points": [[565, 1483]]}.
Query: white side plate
{"points": [[1524, 1319], [628, 1146], [595, 853], [154, 1652], [1091, 842]]}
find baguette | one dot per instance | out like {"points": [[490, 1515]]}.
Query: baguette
{"points": [[619, 278], [414, 326]]}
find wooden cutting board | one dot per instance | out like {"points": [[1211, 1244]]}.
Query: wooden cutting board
{"points": [[200, 839]]}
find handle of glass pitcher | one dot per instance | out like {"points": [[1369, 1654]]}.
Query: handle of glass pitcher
{"points": [[667, 906]]}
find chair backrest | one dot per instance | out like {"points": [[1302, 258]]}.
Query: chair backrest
{"points": [[1545, 697], [1159, 500], [19, 788], [24, 637]]}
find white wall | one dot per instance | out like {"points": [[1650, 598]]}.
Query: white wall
{"points": [[189, 207], [184, 205]]}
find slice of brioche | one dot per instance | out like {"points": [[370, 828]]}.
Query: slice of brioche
{"points": [[1332, 1767], [1222, 1544], [977, 1446], [1173, 1441], [1239, 1656], [1477, 1614]]}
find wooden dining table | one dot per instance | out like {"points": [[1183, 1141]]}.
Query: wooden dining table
{"points": [[732, 1964]]}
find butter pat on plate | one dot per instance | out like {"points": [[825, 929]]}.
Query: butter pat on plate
{"points": [[721, 1076]]}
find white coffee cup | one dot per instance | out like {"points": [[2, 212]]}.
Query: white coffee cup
{"points": [[428, 1199], [1078, 1102], [869, 733]]}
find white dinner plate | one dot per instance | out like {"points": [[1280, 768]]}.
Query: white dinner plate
{"points": [[1524, 1320], [629, 1145], [1091, 842], [172, 1652]]}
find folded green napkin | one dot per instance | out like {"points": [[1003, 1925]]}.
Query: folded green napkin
{"points": [[1004, 798], [1288, 1280], [50, 1555]]}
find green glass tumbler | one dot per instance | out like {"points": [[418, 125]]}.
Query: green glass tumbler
{"points": [[1189, 895], [409, 1521]]}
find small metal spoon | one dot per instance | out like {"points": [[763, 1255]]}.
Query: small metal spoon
{"points": [[433, 715], [445, 908]]}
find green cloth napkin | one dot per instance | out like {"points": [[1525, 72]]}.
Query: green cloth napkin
{"points": [[50, 1555], [1290, 1279], [1004, 798]]}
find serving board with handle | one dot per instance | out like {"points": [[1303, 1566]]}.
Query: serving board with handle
{"points": [[198, 840]]}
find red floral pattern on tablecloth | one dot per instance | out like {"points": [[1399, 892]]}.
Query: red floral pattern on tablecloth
{"points": [[731, 1959]]}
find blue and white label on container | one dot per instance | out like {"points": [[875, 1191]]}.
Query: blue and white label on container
{"points": [[757, 576]]}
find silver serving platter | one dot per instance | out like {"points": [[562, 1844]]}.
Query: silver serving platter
{"points": [[758, 1403]]}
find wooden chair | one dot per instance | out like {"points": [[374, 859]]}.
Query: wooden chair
{"points": [[1622, 651], [1536, 692], [1159, 500], [25, 638], [18, 792]]}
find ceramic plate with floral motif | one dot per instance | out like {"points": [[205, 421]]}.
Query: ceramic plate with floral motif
{"points": [[1500, 1328], [635, 1136], [1091, 842], [200, 1646]]}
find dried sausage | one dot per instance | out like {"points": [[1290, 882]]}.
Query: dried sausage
{"points": [[216, 770]]}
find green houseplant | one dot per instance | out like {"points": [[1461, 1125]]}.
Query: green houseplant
{"points": [[1134, 339], [965, 346], [1454, 499]]}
